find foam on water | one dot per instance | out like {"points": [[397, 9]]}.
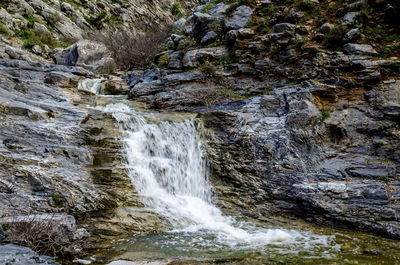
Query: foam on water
{"points": [[168, 168]]}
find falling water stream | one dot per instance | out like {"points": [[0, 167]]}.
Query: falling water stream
{"points": [[168, 167]]}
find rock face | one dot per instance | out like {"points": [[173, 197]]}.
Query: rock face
{"points": [[61, 159], [282, 155], [240, 18]]}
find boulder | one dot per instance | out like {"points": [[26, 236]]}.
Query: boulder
{"points": [[195, 57], [240, 18], [283, 33], [219, 10], [88, 54], [175, 60], [352, 35], [15, 255], [326, 27], [179, 24], [360, 49], [349, 18], [202, 23]]}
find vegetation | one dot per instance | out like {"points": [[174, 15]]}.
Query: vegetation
{"points": [[43, 236], [325, 114], [98, 20], [333, 39], [208, 69], [133, 51], [163, 60], [176, 11]]}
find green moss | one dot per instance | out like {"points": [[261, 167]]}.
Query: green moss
{"points": [[163, 60], [4, 227]]}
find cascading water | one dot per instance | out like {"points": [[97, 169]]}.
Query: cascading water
{"points": [[92, 86], [168, 168]]}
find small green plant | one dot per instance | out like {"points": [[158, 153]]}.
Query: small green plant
{"points": [[4, 227], [381, 143], [166, 46], [325, 114], [98, 20], [229, 60], [384, 179], [186, 43], [229, 93], [58, 199], [208, 7], [176, 11], [31, 20], [208, 69], [340, 73]]}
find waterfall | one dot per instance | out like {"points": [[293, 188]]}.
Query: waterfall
{"points": [[92, 86], [168, 168]]}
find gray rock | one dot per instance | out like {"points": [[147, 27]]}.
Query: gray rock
{"points": [[37, 50], [240, 18], [202, 23], [246, 69], [175, 60], [231, 36], [219, 10], [245, 33], [349, 18], [352, 35], [326, 27], [361, 49], [283, 33], [13, 254], [88, 54], [179, 24], [195, 57], [210, 37]]}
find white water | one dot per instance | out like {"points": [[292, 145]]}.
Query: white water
{"points": [[168, 168], [91, 85]]}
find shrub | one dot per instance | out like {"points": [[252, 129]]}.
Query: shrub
{"points": [[305, 4], [42, 235], [163, 60], [208, 69], [176, 10], [133, 51], [98, 20], [334, 38], [4, 30]]}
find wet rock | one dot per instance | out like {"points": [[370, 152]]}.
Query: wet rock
{"points": [[240, 18], [13, 254], [195, 57], [361, 49]]}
